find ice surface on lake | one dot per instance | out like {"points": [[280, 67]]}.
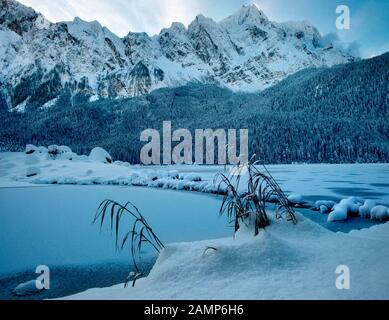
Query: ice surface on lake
{"points": [[312, 182], [53, 225]]}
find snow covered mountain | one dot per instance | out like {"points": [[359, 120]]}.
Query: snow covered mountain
{"points": [[40, 60]]}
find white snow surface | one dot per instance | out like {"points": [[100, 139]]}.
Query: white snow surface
{"points": [[283, 262]]}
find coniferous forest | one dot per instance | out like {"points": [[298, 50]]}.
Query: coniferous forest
{"points": [[328, 115]]}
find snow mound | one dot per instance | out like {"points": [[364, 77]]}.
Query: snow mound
{"points": [[100, 155], [296, 199], [344, 208], [26, 289], [324, 203], [379, 213], [365, 210], [60, 152], [64, 149]]}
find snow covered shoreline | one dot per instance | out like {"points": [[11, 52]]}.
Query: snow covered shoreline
{"points": [[59, 165], [283, 262]]}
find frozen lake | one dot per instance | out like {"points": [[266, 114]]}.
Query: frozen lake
{"points": [[53, 226], [319, 181]]}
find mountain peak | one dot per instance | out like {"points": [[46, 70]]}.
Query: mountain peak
{"points": [[245, 52], [251, 9], [247, 14], [200, 18], [202, 22]]}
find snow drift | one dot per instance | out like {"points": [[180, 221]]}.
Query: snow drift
{"points": [[283, 262]]}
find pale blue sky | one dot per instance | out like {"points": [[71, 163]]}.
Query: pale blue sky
{"points": [[369, 18]]}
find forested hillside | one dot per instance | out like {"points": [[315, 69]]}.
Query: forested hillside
{"points": [[338, 114]]}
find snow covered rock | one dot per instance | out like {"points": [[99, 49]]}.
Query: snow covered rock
{"points": [[365, 210], [53, 150], [26, 289], [298, 200], [100, 155], [30, 148], [61, 152], [326, 203], [344, 208], [379, 213]]}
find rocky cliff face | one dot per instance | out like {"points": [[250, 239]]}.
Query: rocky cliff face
{"points": [[39, 60]]}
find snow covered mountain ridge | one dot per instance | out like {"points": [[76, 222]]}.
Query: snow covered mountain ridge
{"points": [[40, 60]]}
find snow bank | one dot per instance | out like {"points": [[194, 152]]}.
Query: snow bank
{"points": [[59, 165], [100, 155], [30, 149], [283, 262], [53, 150]]}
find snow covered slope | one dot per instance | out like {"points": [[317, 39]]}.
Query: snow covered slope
{"points": [[40, 60], [282, 262]]}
